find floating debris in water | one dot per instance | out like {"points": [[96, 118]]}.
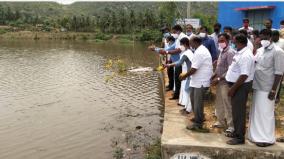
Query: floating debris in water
{"points": [[109, 77], [117, 65], [141, 69]]}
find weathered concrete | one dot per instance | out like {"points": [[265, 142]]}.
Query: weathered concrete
{"points": [[177, 139]]}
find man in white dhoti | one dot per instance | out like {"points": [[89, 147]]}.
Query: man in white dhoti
{"points": [[268, 72], [185, 62]]}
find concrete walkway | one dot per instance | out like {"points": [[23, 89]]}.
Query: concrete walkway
{"points": [[180, 143]]}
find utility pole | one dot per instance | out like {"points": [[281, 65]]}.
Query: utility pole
{"points": [[188, 9]]}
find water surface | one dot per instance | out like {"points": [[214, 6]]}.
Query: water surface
{"points": [[55, 102]]}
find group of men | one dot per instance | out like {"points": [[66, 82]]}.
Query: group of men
{"points": [[236, 62]]}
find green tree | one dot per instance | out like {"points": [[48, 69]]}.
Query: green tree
{"points": [[169, 12], [122, 21], [132, 20]]}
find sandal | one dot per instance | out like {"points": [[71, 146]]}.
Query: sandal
{"points": [[263, 144], [230, 134], [280, 139]]}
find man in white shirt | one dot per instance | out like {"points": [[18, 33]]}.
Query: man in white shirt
{"points": [[246, 26], [201, 71], [268, 73], [178, 35], [249, 44], [277, 40], [239, 77], [280, 43]]}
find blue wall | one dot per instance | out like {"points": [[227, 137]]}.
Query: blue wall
{"points": [[228, 16]]}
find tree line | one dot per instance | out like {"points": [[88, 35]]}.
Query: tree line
{"points": [[119, 21]]}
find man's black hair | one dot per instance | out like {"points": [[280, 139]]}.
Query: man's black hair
{"points": [[245, 19], [256, 32], [205, 28], [266, 32], [218, 25], [171, 38], [227, 37], [275, 33], [244, 32], [177, 28], [270, 20], [282, 22], [228, 28], [184, 41], [197, 40], [242, 39], [235, 32]]}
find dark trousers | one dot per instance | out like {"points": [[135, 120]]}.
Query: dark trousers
{"points": [[171, 77], [279, 91], [239, 101], [197, 102], [177, 72]]}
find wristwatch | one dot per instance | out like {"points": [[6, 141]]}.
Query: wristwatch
{"points": [[218, 79], [273, 91], [167, 52]]}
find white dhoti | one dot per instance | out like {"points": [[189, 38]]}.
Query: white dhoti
{"points": [[262, 119], [188, 106], [184, 94]]}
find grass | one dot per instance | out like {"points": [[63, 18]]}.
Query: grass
{"points": [[118, 153], [3, 31], [153, 151]]}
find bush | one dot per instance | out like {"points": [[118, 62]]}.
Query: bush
{"points": [[150, 35], [102, 36], [206, 20], [3, 31], [125, 39]]}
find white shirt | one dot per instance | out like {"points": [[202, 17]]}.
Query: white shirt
{"points": [[269, 62], [280, 43], [181, 35], [201, 61], [250, 45], [243, 64], [249, 30]]}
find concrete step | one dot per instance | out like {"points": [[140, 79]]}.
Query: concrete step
{"points": [[180, 143]]}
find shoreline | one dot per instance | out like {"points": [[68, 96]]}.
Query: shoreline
{"points": [[72, 36]]}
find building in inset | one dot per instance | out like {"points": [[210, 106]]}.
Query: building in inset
{"points": [[232, 13]]}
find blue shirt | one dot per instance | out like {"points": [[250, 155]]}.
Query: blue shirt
{"points": [[210, 45], [174, 57]]}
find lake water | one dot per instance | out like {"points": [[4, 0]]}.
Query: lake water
{"points": [[55, 102]]}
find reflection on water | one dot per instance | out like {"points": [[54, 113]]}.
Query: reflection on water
{"points": [[55, 103]]}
